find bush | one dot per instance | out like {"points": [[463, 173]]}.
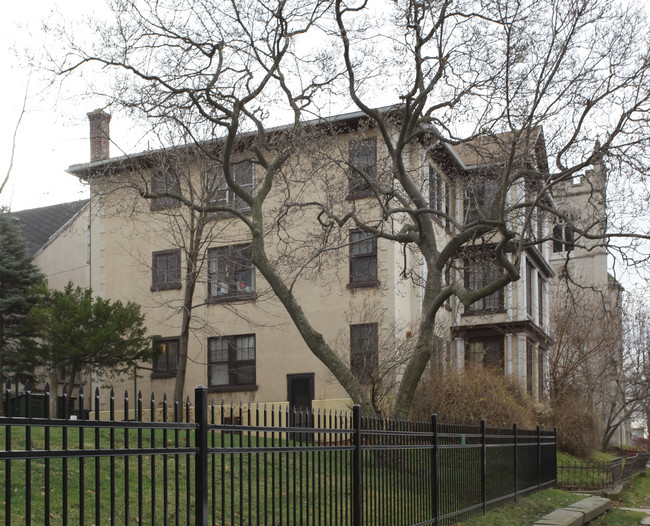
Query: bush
{"points": [[476, 393], [577, 426]]}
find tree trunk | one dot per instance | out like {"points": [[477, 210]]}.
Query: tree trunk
{"points": [[311, 336], [191, 275], [73, 374], [54, 392]]}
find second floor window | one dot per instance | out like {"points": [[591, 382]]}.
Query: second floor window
{"points": [[478, 274], [166, 270], [363, 259], [230, 272], [363, 167]]}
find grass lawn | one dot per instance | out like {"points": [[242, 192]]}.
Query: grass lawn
{"points": [[530, 509]]}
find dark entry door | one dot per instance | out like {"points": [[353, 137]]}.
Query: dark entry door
{"points": [[300, 393]]}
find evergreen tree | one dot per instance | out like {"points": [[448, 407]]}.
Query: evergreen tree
{"points": [[17, 277], [79, 333]]}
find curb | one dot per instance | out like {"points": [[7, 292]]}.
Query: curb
{"points": [[576, 514]]}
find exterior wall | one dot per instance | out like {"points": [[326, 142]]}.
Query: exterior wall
{"points": [[65, 258], [125, 233]]}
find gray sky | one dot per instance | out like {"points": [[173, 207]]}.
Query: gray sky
{"points": [[53, 132]]}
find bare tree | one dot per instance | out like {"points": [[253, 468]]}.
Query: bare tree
{"points": [[13, 141], [477, 78]]}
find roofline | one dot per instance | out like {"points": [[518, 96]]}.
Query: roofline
{"points": [[85, 170], [56, 234]]}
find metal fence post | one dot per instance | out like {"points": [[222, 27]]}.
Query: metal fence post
{"points": [[483, 467], [435, 468], [555, 456], [516, 482], [357, 492], [539, 458], [201, 458]]}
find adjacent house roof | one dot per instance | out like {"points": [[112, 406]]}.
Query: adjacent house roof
{"points": [[40, 225], [486, 150]]}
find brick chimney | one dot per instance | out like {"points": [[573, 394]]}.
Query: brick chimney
{"points": [[100, 136]]}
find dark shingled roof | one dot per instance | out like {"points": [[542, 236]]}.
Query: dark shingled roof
{"points": [[40, 224]]}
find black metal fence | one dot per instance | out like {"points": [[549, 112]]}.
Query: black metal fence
{"points": [[590, 475], [231, 465]]}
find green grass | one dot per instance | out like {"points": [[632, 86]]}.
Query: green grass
{"points": [[636, 494], [576, 478], [533, 507]]}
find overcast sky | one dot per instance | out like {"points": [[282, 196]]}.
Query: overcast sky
{"points": [[53, 132]]}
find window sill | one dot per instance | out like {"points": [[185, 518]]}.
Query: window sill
{"points": [[484, 312], [166, 286], [249, 296], [157, 207], [225, 214], [163, 374], [231, 388], [361, 194], [362, 284]]}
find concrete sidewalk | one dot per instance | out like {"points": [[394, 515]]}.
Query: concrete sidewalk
{"points": [[577, 514], [584, 511]]}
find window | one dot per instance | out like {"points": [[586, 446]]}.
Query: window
{"points": [[231, 362], [529, 367], [363, 166], [541, 374], [478, 274], [166, 270], [482, 197], [540, 299], [363, 259], [221, 194], [167, 361], [230, 272], [436, 189], [164, 181], [439, 198], [562, 238], [364, 352], [484, 351], [529, 289]]}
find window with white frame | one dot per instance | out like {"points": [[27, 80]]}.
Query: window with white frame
{"points": [[243, 174], [563, 237]]}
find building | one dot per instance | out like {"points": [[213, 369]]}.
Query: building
{"points": [[57, 239], [587, 326], [362, 293]]}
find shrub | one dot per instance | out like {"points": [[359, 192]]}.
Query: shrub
{"points": [[476, 393], [577, 426]]}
